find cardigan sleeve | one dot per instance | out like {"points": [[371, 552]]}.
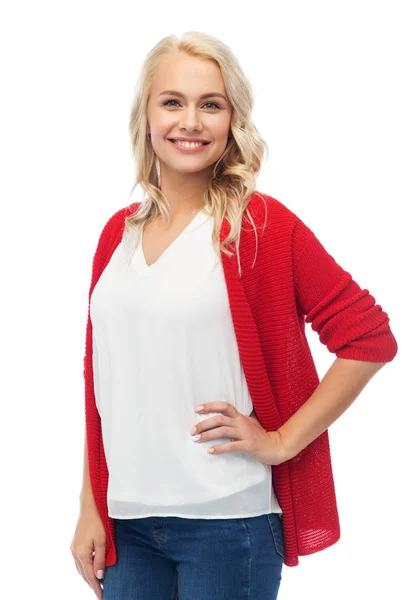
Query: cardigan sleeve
{"points": [[346, 317]]}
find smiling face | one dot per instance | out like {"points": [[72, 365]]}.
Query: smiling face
{"points": [[193, 109]]}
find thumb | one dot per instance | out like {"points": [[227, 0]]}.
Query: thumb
{"points": [[99, 561]]}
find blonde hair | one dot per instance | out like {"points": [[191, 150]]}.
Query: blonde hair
{"points": [[232, 181]]}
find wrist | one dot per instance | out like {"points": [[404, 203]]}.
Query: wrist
{"points": [[280, 450]]}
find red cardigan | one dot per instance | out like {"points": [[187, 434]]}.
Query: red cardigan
{"points": [[293, 281]]}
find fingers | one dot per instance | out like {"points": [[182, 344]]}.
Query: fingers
{"points": [[95, 584], [86, 567], [99, 563], [217, 433]]}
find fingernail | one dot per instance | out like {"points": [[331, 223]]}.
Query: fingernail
{"points": [[199, 408], [99, 574]]}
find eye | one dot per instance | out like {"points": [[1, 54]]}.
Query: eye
{"points": [[213, 103]]}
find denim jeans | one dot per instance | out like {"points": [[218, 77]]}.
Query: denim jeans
{"points": [[174, 558]]}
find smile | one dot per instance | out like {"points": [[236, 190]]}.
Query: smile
{"points": [[189, 146]]}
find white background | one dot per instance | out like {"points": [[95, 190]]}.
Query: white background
{"points": [[332, 88]]}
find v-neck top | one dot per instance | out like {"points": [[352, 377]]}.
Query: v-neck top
{"points": [[163, 343]]}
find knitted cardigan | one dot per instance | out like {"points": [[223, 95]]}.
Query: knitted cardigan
{"points": [[293, 281]]}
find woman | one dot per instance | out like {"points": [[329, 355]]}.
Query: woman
{"points": [[197, 308]]}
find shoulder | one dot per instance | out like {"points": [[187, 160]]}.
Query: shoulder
{"points": [[263, 208], [282, 229], [116, 220], [111, 228], [271, 215]]}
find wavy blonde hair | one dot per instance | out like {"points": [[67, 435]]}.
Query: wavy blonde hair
{"points": [[232, 181]]}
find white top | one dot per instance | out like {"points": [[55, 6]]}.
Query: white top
{"points": [[164, 342]]}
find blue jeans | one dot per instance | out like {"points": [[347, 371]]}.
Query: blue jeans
{"points": [[174, 558]]}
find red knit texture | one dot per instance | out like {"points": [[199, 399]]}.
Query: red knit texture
{"points": [[290, 281]]}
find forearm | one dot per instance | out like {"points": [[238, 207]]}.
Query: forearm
{"points": [[338, 389], [86, 495]]}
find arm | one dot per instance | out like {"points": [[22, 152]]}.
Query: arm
{"points": [[87, 501], [341, 385], [345, 316], [350, 324], [86, 495]]}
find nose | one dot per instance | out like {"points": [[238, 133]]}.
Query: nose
{"points": [[190, 120]]}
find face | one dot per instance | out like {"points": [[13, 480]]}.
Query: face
{"points": [[192, 110]]}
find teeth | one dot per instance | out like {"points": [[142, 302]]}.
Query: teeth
{"points": [[189, 144]]}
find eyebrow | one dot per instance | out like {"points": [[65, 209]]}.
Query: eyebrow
{"points": [[208, 95]]}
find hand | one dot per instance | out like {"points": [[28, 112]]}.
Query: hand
{"points": [[250, 437], [88, 548]]}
